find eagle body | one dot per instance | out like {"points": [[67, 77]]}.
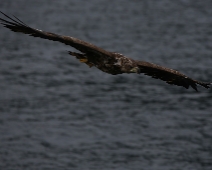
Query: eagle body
{"points": [[106, 61]]}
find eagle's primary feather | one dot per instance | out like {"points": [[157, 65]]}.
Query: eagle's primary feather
{"points": [[109, 62]]}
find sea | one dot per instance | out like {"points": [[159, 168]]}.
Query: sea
{"points": [[58, 114]]}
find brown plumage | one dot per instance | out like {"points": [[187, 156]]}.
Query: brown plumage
{"points": [[109, 62]]}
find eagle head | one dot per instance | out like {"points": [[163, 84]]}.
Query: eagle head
{"points": [[135, 70]]}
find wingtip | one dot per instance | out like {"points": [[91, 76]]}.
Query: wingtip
{"points": [[203, 84], [206, 85]]}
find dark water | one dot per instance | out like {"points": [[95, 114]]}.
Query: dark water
{"points": [[56, 113]]}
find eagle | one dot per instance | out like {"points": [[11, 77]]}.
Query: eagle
{"points": [[108, 62]]}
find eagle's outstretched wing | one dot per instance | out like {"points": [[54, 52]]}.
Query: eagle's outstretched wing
{"points": [[17, 25], [113, 63], [170, 76]]}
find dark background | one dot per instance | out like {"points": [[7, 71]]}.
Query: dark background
{"points": [[56, 113]]}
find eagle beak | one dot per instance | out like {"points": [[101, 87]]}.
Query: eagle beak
{"points": [[135, 70]]}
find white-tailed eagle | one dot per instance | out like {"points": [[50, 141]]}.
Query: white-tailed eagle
{"points": [[109, 62]]}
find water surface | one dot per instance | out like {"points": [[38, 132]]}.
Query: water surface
{"points": [[56, 113]]}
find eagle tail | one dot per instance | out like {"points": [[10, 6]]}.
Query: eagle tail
{"points": [[82, 58]]}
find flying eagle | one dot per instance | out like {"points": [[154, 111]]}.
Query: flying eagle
{"points": [[109, 62]]}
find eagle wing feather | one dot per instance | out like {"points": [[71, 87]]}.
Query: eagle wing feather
{"points": [[17, 25], [170, 76]]}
